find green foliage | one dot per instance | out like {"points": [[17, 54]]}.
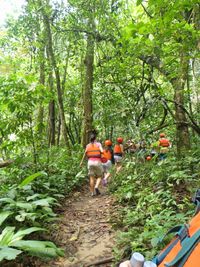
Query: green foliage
{"points": [[11, 243], [139, 47], [29, 179], [156, 196], [31, 202]]}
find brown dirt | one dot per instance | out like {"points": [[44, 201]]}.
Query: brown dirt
{"points": [[84, 231]]}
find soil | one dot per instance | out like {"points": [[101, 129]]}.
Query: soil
{"points": [[85, 232]]}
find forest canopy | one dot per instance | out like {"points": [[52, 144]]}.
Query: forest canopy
{"points": [[127, 68]]}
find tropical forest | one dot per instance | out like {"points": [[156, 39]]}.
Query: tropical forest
{"points": [[100, 133]]}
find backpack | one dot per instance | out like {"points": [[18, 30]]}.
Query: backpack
{"points": [[184, 248]]}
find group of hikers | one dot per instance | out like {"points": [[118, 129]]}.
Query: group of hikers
{"points": [[101, 158], [157, 150], [100, 161]]}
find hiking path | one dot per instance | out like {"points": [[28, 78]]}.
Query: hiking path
{"points": [[84, 230]]}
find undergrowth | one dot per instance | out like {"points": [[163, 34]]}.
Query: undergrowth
{"points": [[155, 195], [30, 194]]}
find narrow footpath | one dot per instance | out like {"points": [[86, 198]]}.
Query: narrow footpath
{"points": [[85, 231]]}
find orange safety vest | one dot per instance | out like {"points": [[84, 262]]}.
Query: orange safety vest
{"points": [[117, 150], [164, 142], [93, 151], [107, 154]]}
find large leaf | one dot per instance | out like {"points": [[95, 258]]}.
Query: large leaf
{"points": [[23, 215], [24, 205], [39, 248], [4, 215], [6, 236], [21, 233], [44, 201], [33, 197], [7, 200], [8, 253], [30, 178]]}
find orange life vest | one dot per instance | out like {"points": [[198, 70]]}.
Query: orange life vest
{"points": [[117, 150], [180, 251], [93, 151], [107, 154], [164, 142]]}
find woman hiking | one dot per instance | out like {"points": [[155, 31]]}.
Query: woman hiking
{"points": [[93, 152]]}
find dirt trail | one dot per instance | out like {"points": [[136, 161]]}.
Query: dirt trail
{"points": [[85, 232]]}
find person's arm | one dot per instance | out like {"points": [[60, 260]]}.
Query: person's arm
{"points": [[83, 159], [101, 148], [122, 149], [125, 264]]}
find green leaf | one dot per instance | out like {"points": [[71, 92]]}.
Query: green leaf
{"points": [[39, 248], [44, 201], [33, 197], [79, 174], [7, 200], [129, 195], [21, 233], [4, 215], [30, 178], [20, 218], [24, 205], [155, 241], [8, 253], [6, 236]]}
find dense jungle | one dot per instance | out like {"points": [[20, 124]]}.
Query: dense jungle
{"points": [[81, 77]]}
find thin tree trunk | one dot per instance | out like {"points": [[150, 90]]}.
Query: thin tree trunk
{"points": [[42, 82], [52, 123], [58, 131], [57, 75], [87, 92], [51, 120]]}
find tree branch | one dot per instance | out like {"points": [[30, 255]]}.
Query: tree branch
{"points": [[193, 124], [5, 163], [146, 11]]}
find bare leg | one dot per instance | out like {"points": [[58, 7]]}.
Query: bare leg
{"points": [[92, 180], [98, 182], [107, 175], [118, 167]]}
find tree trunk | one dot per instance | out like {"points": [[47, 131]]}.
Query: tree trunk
{"points": [[51, 119], [87, 90], [42, 82], [58, 131], [182, 132], [57, 75]]}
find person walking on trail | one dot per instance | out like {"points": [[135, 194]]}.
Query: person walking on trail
{"points": [[164, 145], [93, 152], [118, 154], [108, 160]]}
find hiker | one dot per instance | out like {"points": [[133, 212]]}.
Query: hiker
{"points": [[118, 154], [93, 152], [130, 146], [108, 160], [141, 149], [164, 145]]}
